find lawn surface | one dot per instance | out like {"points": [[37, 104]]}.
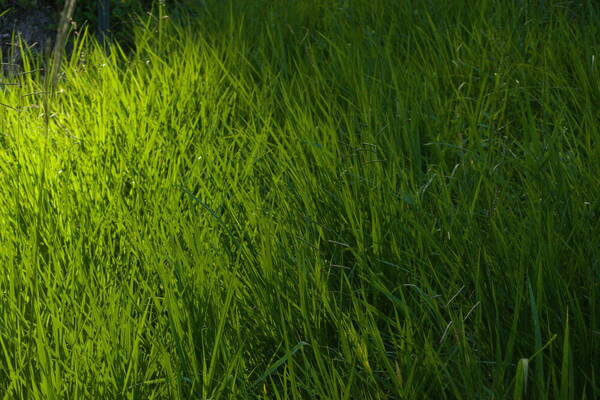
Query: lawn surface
{"points": [[284, 199]]}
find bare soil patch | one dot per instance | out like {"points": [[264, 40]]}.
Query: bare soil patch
{"points": [[34, 28]]}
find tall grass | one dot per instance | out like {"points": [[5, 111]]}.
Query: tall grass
{"points": [[317, 199]]}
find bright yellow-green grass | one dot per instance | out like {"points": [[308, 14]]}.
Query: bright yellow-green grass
{"points": [[316, 199]]}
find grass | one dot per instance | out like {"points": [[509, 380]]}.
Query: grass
{"points": [[317, 199]]}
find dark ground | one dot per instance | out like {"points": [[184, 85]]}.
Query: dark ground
{"points": [[35, 27]]}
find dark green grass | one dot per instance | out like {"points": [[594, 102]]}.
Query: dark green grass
{"points": [[318, 199]]}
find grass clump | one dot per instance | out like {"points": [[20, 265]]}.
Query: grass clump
{"points": [[314, 199]]}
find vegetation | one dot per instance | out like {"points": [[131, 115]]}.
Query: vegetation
{"points": [[308, 199], [19, 3]]}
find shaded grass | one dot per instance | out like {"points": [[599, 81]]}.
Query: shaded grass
{"points": [[309, 200]]}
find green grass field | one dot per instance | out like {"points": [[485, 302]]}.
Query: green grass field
{"points": [[313, 199]]}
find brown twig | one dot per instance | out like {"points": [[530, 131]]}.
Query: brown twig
{"points": [[61, 39]]}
